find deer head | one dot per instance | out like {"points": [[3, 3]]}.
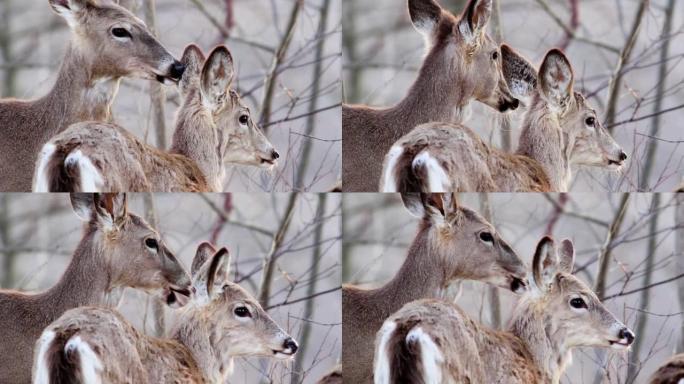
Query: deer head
{"points": [[465, 243], [116, 43], [133, 251], [573, 314], [239, 325], [206, 86], [464, 46]]}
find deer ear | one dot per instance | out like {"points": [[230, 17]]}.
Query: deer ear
{"points": [[519, 74], [69, 9], [475, 18], [193, 59], [425, 15], [567, 256], [217, 75], [556, 78], [218, 270], [204, 252], [111, 208], [545, 263], [82, 204]]}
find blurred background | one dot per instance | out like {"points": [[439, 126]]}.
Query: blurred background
{"points": [[287, 57], [39, 232], [637, 89], [640, 236]]}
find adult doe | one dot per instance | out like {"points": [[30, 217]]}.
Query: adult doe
{"points": [[213, 127], [222, 321], [453, 242], [559, 129], [462, 64], [433, 341], [118, 249], [107, 43]]}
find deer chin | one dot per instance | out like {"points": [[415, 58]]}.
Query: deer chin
{"points": [[619, 345], [283, 354]]}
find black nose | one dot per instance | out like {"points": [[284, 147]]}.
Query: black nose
{"points": [[291, 345], [514, 104], [177, 69], [626, 333], [275, 154], [506, 105], [623, 156]]}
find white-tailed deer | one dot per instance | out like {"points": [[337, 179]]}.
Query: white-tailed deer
{"points": [[453, 242], [433, 341], [118, 249], [671, 372], [462, 64], [560, 129], [222, 321], [213, 128], [107, 43]]}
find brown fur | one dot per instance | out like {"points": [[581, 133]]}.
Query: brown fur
{"points": [[671, 372], [332, 377], [64, 366], [86, 85], [455, 71]]}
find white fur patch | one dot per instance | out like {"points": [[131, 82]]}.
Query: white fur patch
{"points": [[430, 355], [41, 373], [381, 374], [40, 181], [91, 180], [388, 182], [438, 181], [91, 366]]}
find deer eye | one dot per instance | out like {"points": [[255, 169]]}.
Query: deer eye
{"points": [[151, 243], [121, 33], [590, 121], [242, 312], [486, 237], [495, 55], [578, 303], [244, 119]]}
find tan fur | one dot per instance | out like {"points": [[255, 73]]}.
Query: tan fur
{"points": [[554, 136], [671, 372], [112, 254], [459, 67], [447, 247], [535, 349], [200, 348], [208, 134], [86, 85]]}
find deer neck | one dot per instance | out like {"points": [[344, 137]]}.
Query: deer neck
{"points": [[543, 140], [197, 138], [79, 94], [438, 94], [85, 282], [543, 338]]}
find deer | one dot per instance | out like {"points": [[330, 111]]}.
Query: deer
{"points": [[462, 64], [671, 372], [107, 44], [452, 243], [434, 341], [221, 321], [118, 249], [560, 129], [213, 128]]}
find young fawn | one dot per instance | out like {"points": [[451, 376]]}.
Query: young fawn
{"points": [[118, 249], [671, 372], [107, 43], [432, 341], [453, 242], [560, 128], [462, 64], [213, 127], [222, 321]]}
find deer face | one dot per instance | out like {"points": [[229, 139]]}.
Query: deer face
{"points": [[463, 46], [243, 327], [588, 141], [575, 313], [116, 42], [134, 251], [466, 243]]}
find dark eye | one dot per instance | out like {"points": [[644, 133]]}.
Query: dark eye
{"points": [[242, 312], [495, 55], [121, 32], [151, 243], [590, 121], [578, 303], [243, 119], [486, 236]]}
